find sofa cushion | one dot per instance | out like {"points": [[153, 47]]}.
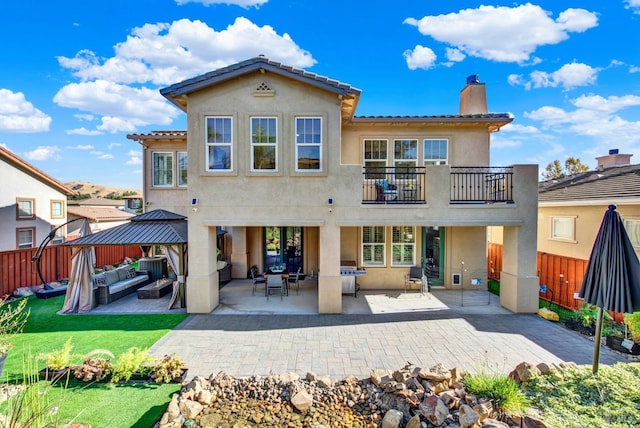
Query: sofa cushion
{"points": [[131, 273], [99, 279], [122, 272], [127, 283], [112, 277]]}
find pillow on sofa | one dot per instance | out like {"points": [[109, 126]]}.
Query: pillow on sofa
{"points": [[112, 276], [123, 272], [99, 279], [131, 273]]}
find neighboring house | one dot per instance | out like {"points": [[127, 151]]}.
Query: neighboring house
{"points": [[571, 209], [277, 157], [100, 218], [31, 204], [133, 203]]}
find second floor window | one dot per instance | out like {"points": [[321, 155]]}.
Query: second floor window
{"points": [[373, 243], [26, 209], [182, 169], [405, 158], [375, 156], [57, 209], [162, 169], [264, 144], [219, 143], [308, 143], [435, 152], [633, 230]]}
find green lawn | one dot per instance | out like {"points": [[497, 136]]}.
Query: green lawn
{"points": [[97, 404]]}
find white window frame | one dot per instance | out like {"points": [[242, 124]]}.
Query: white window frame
{"points": [[24, 245], [632, 226], [405, 162], [403, 241], [31, 215], [373, 245], [255, 144], [377, 160], [182, 158], [166, 171], [300, 142], [563, 228], [223, 141], [58, 238], [434, 159]]}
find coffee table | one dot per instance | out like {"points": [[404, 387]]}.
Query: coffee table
{"points": [[156, 289]]}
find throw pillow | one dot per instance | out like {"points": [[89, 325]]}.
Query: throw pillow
{"points": [[99, 280], [112, 277], [131, 273], [123, 272]]}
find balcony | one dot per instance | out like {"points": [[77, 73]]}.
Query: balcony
{"points": [[407, 185]]}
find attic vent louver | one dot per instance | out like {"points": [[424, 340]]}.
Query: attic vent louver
{"points": [[263, 90]]}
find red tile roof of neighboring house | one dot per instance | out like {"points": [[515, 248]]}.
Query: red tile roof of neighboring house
{"points": [[31, 170], [98, 214]]}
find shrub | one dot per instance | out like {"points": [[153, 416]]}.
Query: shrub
{"points": [[58, 359], [13, 317], [503, 392], [166, 369], [133, 360]]}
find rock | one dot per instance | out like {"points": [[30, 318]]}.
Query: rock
{"points": [[189, 409], [545, 368], [414, 422], [528, 422], [392, 419], [467, 417], [483, 409], [493, 423], [524, 372], [450, 399], [23, 292], [204, 397], [435, 374], [302, 400], [289, 377], [173, 410], [434, 410], [325, 381], [381, 377]]}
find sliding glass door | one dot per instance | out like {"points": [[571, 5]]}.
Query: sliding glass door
{"points": [[283, 247]]}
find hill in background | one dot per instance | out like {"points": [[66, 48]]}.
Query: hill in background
{"points": [[97, 190]]}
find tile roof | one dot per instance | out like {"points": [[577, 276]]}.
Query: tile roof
{"points": [[611, 183], [99, 213], [158, 135], [253, 64]]}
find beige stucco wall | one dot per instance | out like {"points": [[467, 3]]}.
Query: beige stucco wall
{"points": [[587, 223]]}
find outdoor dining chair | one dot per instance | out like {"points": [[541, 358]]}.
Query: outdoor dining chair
{"points": [[256, 277], [414, 277], [294, 278], [275, 282]]}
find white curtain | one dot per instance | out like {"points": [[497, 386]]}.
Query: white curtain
{"points": [[177, 264]]}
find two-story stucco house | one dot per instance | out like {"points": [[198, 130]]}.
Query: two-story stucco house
{"points": [[276, 156], [31, 204]]}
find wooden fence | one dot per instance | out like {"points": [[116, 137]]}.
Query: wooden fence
{"points": [[18, 270], [560, 276]]}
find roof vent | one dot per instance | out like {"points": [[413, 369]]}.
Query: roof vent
{"points": [[474, 78]]}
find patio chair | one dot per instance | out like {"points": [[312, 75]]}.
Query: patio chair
{"points": [[294, 278], [275, 282], [256, 277], [414, 277]]}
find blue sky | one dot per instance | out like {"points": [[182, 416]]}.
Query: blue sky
{"points": [[77, 76]]}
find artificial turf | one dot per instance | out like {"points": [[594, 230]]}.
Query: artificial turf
{"points": [[100, 404]]}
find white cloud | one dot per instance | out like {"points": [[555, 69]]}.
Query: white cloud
{"points": [[82, 147], [568, 76], [42, 153], [596, 117], [102, 155], [113, 145], [166, 53], [83, 131], [454, 55], [503, 34], [504, 143], [85, 117], [634, 5], [242, 3], [19, 115], [123, 108], [135, 158], [420, 57], [519, 129], [634, 69]]}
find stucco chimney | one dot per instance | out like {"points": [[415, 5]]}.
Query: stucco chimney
{"points": [[473, 98], [613, 159]]}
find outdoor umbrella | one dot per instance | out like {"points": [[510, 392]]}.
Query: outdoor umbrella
{"points": [[612, 278], [79, 297]]}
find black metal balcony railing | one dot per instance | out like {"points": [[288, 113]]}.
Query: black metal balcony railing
{"points": [[393, 185], [472, 185]]}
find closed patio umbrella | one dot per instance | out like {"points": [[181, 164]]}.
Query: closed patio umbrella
{"points": [[79, 297], [612, 278]]}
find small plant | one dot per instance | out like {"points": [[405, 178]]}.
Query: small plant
{"points": [[166, 369], [58, 359], [13, 317], [588, 314], [94, 368], [503, 392], [633, 323], [132, 361]]}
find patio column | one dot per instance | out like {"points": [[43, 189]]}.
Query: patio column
{"points": [[239, 265], [202, 282], [329, 281]]}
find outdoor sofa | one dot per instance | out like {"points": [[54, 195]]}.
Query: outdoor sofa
{"points": [[113, 284]]}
